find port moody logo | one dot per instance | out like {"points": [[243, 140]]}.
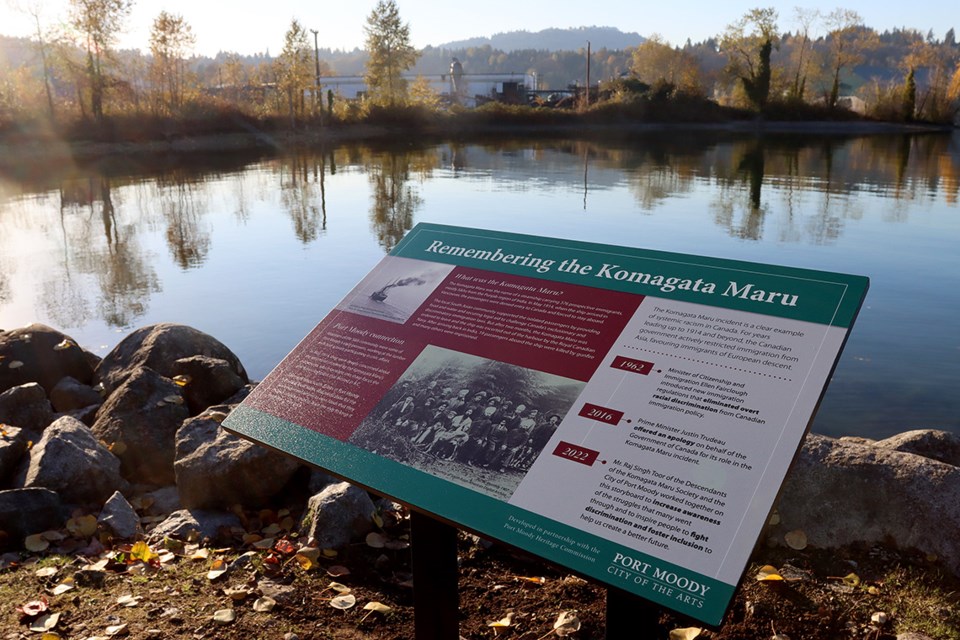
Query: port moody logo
{"points": [[661, 581]]}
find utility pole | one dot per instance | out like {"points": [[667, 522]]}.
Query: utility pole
{"points": [[587, 102], [317, 98]]}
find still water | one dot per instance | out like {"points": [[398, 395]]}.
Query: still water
{"points": [[255, 248]]}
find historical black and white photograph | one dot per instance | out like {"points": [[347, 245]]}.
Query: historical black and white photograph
{"points": [[471, 420], [395, 289]]}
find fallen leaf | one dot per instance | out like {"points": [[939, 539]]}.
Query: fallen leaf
{"points": [[339, 588], [224, 616], [329, 553], [117, 630], [539, 580], [307, 558], [63, 587], [271, 529], [173, 399], [128, 600], [64, 344], [15, 364], [33, 608], [879, 618], [284, 546], [774, 518], [142, 551], [181, 381], [46, 572], [379, 607], [686, 633], [36, 543], [567, 623], [45, 622], [344, 602], [768, 573], [217, 568], [796, 539], [505, 621], [265, 543], [264, 604], [238, 593], [82, 526], [338, 570], [851, 580], [376, 540]]}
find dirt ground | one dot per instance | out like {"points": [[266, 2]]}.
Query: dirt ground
{"points": [[271, 585]]}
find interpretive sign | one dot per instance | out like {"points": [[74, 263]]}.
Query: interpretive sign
{"points": [[628, 414]]}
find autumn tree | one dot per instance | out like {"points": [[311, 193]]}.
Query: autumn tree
{"points": [[389, 53], [802, 54], [656, 62], [748, 44], [848, 40], [98, 22], [295, 69], [171, 39]]}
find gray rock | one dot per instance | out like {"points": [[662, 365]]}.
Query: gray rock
{"points": [[26, 406], [24, 512], [70, 394], [68, 459], [211, 381], [13, 446], [216, 469], [839, 493], [320, 480], [139, 421], [929, 443], [196, 524], [159, 347], [46, 356], [119, 517], [337, 514], [163, 501]]}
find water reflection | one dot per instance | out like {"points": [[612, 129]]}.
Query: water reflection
{"points": [[117, 243]]}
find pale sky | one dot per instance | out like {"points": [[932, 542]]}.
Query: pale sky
{"points": [[248, 26]]}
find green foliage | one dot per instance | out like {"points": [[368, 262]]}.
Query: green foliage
{"points": [[909, 96]]}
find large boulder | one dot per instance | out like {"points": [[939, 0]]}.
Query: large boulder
{"points": [[37, 353], [139, 422], [216, 469], [71, 395], [842, 492], [26, 406], [337, 514], [929, 443], [159, 347], [71, 461], [24, 512], [207, 381], [13, 446]]}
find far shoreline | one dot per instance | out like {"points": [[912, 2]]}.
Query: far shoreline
{"points": [[32, 148]]}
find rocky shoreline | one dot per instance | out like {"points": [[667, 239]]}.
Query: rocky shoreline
{"points": [[134, 438]]}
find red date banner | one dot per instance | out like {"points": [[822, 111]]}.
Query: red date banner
{"points": [[576, 453], [601, 414], [641, 367]]}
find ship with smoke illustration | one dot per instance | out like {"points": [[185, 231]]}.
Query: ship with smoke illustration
{"points": [[381, 294]]}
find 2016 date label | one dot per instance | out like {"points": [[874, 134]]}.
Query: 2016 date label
{"points": [[601, 414]]}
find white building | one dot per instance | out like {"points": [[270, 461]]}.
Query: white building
{"points": [[507, 87]]}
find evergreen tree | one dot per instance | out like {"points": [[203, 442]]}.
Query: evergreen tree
{"points": [[389, 53], [909, 96]]}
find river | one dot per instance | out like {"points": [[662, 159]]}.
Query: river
{"points": [[255, 247]]}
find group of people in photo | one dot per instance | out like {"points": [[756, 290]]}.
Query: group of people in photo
{"points": [[474, 427]]}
